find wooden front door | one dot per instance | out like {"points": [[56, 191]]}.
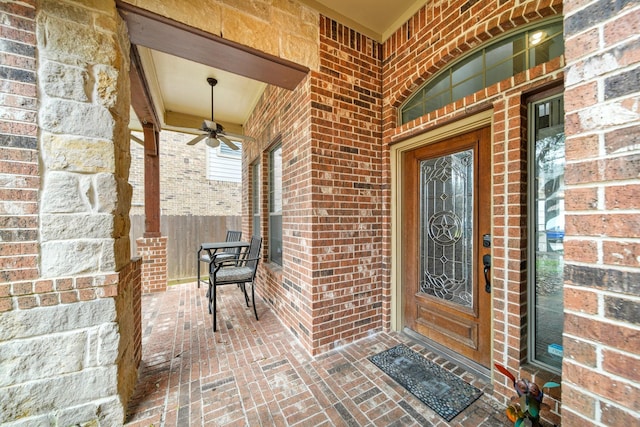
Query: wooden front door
{"points": [[446, 267]]}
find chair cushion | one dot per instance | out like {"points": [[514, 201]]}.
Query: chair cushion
{"points": [[218, 256], [224, 255], [234, 274]]}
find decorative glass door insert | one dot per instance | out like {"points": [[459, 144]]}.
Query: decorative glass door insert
{"points": [[446, 224], [446, 215]]}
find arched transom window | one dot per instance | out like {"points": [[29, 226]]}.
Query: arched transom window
{"points": [[486, 66]]}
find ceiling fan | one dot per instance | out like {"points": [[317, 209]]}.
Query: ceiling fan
{"points": [[214, 132]]}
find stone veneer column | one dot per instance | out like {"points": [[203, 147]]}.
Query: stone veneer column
{"points": [[70, 339]]}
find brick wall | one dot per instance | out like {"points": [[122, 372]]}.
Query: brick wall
{"points": [[328, 291], [18, 156], [329, 127], [184, 187], [418, 50], [153, 250], [346, 130], [602, 273], [283, 116]]}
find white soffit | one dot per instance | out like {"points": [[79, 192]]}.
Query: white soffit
{"points": [[179, 85], [377, 19]]}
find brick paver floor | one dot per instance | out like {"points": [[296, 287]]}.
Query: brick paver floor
{"points": [[255, 373]]}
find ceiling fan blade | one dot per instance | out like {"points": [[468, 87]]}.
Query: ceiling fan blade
{"points": [[197, 139], [228, 142], [238, 137]]}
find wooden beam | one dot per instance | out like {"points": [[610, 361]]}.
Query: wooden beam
{"points": [[175, 38], [141, 100]]}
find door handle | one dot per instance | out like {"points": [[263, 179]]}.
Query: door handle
{"points": [[486, 260]]}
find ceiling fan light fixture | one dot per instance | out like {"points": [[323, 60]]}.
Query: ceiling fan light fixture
{"points": [[212, 142], [214, 132]]}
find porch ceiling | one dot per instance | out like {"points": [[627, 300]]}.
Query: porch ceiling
{"points": [[170, 87]]}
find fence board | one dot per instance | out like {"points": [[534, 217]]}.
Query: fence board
{"points": [[184, 236]]}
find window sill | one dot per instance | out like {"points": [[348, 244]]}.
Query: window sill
{"points": [[273, 269]]}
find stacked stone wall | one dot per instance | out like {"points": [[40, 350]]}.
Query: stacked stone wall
{"points": [[67, 276], [285, 29]]}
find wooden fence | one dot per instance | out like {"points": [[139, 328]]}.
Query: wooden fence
{"points": [[184, 235]]}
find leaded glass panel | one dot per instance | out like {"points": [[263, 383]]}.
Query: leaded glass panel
{"points": [[446, 224]]}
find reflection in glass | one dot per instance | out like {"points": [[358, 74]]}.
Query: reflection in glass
{"points": [[472, 85], [472, 67], [490, 65], [439, 84], [446, 224], [275, 206], [414, 112], [548, 224], [499, 72], [546, 44], [255, 199], [438, 100], [497, 53]]}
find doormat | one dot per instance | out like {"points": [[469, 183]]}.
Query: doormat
{"points": [[436, 387]]}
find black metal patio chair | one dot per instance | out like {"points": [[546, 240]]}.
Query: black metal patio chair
{"points": [[205, 255], [239, 270]]}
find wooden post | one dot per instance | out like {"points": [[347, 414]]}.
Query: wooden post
{"points": [[151, 181]]}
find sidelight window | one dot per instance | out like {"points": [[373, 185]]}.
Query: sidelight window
{"points": [[546, 225], [255, 199], [275, 205]]}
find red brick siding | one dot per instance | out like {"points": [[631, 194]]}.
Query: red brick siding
{"points": [[602, 271], [19, 156], [346, 133], [282, 116], [153, 250], [421, 48], [329, 289]]}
